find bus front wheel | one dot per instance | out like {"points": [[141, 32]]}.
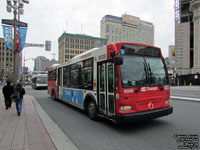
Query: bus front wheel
{"points": [[92, 110]]}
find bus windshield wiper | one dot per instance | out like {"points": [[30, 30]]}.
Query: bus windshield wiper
{"points": [[146, 72], [151, 75]]}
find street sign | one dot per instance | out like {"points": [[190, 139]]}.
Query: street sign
{"points": [[13, 22], [33, 45]]}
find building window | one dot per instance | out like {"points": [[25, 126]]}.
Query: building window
{"points": [[107, 28], [67, 40], [112, 29], [107, 37]]}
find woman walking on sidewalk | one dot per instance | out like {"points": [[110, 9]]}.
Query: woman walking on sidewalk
{"points": [[20, 92]]}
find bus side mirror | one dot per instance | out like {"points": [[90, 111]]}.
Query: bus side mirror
{"points": [[118, 60]]}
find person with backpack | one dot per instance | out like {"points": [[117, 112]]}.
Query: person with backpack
{"points": [[7, 91], [19, 92]]}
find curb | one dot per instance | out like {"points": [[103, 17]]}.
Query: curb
{"points": [[185, 98], [60, 140]]}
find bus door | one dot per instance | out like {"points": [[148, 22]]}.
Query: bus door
{"points": [[60, 83], [106, 88]]}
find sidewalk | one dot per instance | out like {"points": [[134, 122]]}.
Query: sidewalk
{"points": [[25, 132], [33, 130], [191, 88]]}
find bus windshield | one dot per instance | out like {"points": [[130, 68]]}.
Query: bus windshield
{"points": [[42, 80], [143, 71]]}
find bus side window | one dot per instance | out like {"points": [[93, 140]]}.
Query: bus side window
{"points": [[86, 78], [65, 76], [52, 75]]}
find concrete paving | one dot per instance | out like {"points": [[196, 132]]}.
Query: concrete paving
{"points": [[33, 130], [186, 98]]}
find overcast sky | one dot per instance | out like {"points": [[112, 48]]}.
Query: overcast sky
{"points": [[48, 19]]}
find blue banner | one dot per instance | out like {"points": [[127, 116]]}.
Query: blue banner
{"points": [[7, 33], [22, 35]]}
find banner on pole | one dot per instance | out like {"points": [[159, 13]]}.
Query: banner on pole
{"points": [[7, 33], [17, 40], [22, 35]]}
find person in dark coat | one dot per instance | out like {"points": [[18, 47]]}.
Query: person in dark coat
{"points": [[7, 91], [20, 92]]}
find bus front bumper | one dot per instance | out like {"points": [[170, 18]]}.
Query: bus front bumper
{"points": [[146, 115]]}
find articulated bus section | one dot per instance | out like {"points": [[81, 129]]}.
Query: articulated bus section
{"points": [[124, 82]]}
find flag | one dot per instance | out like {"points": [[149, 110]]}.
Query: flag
{"points": [[7, 33], [17, 40], [22, 35]]}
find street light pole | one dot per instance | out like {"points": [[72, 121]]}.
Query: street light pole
{"points": [[14, 51], [18, 9]]}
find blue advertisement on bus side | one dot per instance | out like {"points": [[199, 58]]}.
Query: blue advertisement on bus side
{"points": [[74, 96]]}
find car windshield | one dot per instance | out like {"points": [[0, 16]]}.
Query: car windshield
{"points": [[143, 71]]}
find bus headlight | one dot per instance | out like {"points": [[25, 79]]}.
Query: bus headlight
{"points": [[166, 87], [126, 108]]}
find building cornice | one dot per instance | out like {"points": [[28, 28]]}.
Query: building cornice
{"points": [[83, 36], [194, 4]]}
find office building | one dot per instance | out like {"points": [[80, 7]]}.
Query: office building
{"points": [[71, 45], [170, 62], [6, 60], [127, 29], [41, 63], [187, 45], [172, 53]]}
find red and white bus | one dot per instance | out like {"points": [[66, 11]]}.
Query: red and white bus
{"points": [[39, 81], [124, 82]]}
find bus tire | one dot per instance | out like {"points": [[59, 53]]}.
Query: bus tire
{"points": [[92, 110], [53, 95]]}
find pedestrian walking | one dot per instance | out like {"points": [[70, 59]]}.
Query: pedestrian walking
{"points": [[20, 92], [7, 91]]}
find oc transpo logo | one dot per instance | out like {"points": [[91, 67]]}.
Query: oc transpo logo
{"points": [[150, 105]]}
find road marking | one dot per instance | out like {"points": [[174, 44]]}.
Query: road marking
{"points": [[185, 98]]}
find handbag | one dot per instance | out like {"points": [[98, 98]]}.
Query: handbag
{"points": [[15, 95]]}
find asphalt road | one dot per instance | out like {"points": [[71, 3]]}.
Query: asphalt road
{"points": [[156, 134]]}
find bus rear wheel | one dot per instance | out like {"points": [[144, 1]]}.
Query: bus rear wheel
{"points": [[92, 110], [53, 95]]}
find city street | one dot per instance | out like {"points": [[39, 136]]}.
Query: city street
{"points": [[157, 134], [117, 64]]}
